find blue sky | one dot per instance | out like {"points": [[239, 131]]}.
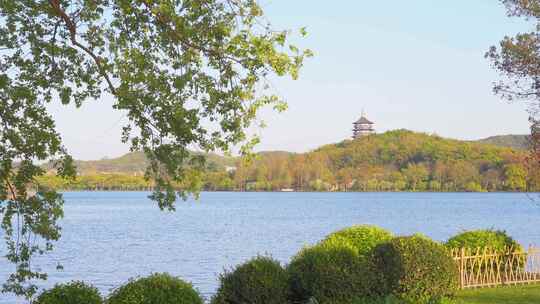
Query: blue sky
{"points": [[414, 64]]}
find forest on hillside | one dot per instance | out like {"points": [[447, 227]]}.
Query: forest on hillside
{"points": [[398, 160], [518, 142]]}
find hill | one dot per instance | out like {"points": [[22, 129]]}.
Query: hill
{"points": [[519, 142], [131, 163], [397, 160], [135, 163]]}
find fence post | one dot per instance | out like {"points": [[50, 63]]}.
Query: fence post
{"points": [[505, 257], [462, 268], [528, 272]]}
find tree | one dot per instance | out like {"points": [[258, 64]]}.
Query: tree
{"points": [[416, 175], [515, 177], [345, 178], [517, 59], [186, 73]]}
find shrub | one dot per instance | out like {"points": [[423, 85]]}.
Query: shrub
{"points": [[71, 293], [330, 272], [494, 239], [416, 269], [361, 237], [261, 280], [156, 289]]}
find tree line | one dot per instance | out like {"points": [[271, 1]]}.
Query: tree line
{"points": [[398, 160]]}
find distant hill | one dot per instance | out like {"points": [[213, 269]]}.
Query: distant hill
{"points": [[131, 163], [275, 153], [519, 142], [136, 163], [398, 160]]}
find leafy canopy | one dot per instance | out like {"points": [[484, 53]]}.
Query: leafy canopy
{"points": [[187, 73], [517, 59]]}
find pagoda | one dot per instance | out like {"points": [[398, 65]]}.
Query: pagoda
{"points": [[362, 127]]}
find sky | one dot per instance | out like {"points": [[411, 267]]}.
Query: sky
{"points": [[416, 64]]}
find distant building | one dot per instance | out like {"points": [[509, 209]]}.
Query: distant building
{"points": [[362, 127]]}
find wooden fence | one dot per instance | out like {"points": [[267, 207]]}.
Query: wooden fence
{"points": [[485, 267]]}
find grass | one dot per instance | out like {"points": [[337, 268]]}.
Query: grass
{"points": [[527, 294]]}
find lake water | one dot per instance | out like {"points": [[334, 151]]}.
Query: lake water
{"points": [[109, 237]]}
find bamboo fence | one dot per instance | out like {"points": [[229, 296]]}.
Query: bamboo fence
{"points": [[486, 267]]}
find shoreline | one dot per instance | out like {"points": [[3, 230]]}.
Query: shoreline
{"points": [[236, 191]]}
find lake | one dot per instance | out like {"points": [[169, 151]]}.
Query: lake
{"points": [[109, 237]]}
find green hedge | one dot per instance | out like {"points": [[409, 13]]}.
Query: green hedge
{"points": [[71, 293], [361, 237], [261, 280], [330, 273], [156, 289], [416, 269], [494, 239]]}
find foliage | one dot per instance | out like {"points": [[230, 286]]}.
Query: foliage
{"points": [[394, 161], [363, 238], [135, 163], [155, 289], [30, 217], [70, 293], [185, 73], [516, 58], [516, 177], [517, 142], [261, 280], [416, 269], [330, 272], [494, 239]]}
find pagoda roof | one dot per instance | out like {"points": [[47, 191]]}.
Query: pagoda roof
{"points": [[363, 120]]}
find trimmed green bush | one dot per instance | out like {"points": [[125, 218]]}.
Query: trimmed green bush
{"points": [[71, 293], [330, 272], [416, 269], [156, 289], [261, 280], [494, 239], [362, 237]]}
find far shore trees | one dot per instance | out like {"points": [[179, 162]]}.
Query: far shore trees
{"points": [[397, 160], [187, 74]]}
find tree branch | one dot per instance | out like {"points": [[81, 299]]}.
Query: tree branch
{"points": [[164, 20], [55, 4], [518, 94], [13, 195]]}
